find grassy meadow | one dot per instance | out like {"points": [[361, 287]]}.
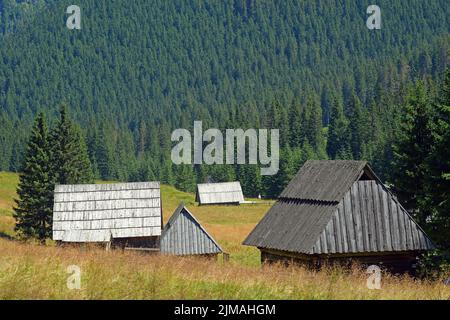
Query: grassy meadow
{"points": [[30, 271]]}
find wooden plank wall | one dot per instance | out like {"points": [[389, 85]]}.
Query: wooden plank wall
{"points": [[369, 219]]}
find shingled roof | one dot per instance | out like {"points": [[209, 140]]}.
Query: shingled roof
{"points": [[101, 212], [337, 207], [219, 193], [325, 180]]}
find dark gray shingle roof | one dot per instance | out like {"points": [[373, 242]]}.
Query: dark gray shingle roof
{"points": [[324, 180], [291, 225], [357, 216]]}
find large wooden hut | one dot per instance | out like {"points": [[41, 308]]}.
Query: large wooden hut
{"points": [[122, 214], [183, 235], [337, 212], [219, 193]]}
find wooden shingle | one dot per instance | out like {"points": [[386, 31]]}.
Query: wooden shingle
{"points": [[101, 212], [219, 193]]}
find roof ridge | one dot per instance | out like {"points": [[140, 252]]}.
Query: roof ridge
{"points": [[306, 200]]}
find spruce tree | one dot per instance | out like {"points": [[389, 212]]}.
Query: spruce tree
{"points": [[338, 146], [222, 173], [70, 158], [103, 156], [438, 184], [313, 124], [411, 151], [356, 126], [167, 175], [295, 121], [274, 184], [33, 211], [185, 178], [250, 178]]}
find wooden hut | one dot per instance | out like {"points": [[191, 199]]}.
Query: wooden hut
{"points": [[183, 235], [337, 212], [219, 193], [122, 214]]}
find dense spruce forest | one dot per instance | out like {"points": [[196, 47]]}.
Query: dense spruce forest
{"points": [[139, 69]]}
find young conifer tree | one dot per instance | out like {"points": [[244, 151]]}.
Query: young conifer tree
{"points": [[33, 211], [70, 158], [411, 151], [338, 144], [438, 179]]}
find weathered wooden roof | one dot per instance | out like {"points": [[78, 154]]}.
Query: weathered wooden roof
{"points": [[325, 180], [101, 212], [184, 235], [367, 218], [370, 219], [219, 193]]}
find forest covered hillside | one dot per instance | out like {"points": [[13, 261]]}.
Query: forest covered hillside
{"points": [[139, 69]]}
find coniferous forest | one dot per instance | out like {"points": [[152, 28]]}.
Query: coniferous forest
{"points": [[139, 69]]}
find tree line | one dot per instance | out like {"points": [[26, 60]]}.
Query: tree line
{"points": [[418, 169], [56, 156], [138, 70]]}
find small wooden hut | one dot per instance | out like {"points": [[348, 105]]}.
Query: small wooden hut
{"points": [[183, 235], [219, 193], [337, 212], [126, 215]]}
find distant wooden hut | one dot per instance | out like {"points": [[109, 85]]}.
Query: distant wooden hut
{"points": [[219, 193], [122, 214], [183, 235], [335, 212]]}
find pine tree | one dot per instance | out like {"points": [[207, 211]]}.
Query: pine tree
{"points": [[33, 211], [295, 120], [222, 173], [313, 124], [167, 175], [185, 178], [357, 128], [102, 156], [250, 178], [438, 182], [71, 163], [410, 153], [338, 146], [275, 184]]}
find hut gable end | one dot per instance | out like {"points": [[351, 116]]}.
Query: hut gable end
{"points": [[362, 223], [184, 235]]}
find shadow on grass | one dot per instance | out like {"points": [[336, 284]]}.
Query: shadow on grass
{"points": [[6, 236]]}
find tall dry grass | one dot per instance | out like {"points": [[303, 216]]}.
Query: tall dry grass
{"points": [[28, 271], [36, 272]]}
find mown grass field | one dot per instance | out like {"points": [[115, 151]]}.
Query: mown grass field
{"points": [[30, 271]]}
